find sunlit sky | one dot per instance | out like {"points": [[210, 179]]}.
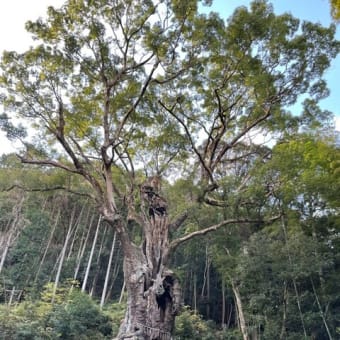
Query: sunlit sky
{"points": [[14, 14]]}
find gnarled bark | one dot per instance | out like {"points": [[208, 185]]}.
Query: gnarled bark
{"points": [[153, 290]]}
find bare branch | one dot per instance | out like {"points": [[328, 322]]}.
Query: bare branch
{"points": [[175, 243], [80, 150]]}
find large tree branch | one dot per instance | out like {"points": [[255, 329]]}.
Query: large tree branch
{"points": [[213, 142], [60, 135], [175, 243], [48, 162]]}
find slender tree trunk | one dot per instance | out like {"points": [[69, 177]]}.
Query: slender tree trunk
{"points": [[83, 238], [11, 296], [321, 311], [122, 293], [108, 270], [240, 313], [82, 250], [229, 316], [83, 287], [8, 242], [62, 256], [113, 276], [97, 263], [283, 224], [195, 294], [13, 229], [208, 288], [47, 246], [284, 312], [206, 282], [75, 234], [223, 305]]}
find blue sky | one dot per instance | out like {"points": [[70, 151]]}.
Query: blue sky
{"points": [[311, 10]]}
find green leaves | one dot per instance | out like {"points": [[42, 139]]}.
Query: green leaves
{"points": [[74, 316], [102, 63], [335, 9], [12, 132]]}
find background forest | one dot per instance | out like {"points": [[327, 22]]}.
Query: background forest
{"points": [[252, 225], [61, 267]]}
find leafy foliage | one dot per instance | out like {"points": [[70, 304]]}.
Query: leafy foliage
{"points": [[73, 316]]}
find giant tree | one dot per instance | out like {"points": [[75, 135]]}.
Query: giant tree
{"points": [[113, 87]]}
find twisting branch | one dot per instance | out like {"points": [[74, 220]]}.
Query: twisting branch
{"points": [[175, 243], [49, 163], [80, 150]]}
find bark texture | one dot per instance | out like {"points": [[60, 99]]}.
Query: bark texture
{"points": [[240, 314], [153, 290]]}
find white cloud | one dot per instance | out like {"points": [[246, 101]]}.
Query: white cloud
{"points": [[13, 16], [337, 123]]}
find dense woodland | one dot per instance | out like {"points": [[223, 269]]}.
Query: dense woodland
{"points": [[283, 277], [149, 196]]}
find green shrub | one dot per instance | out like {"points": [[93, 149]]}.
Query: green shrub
{"points": [[73, 316], [191, 326], [80, 318]]}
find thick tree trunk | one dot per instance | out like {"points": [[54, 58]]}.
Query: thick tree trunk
{"points": [[153, 290]]}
